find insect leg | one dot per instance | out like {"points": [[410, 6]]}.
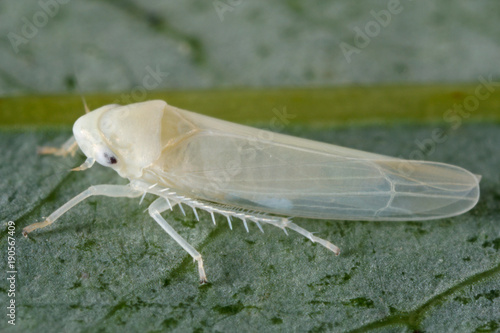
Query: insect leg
{"points": [[69, 147], [305, 233], [161, 205], [313, 238], [106, 190]]}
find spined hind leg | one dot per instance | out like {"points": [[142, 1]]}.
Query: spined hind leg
{"points": [[286, 223], [155, 209]]}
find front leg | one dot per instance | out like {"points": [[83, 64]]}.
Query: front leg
{"points": [[161, 205], [69, 147], [106, 190]]}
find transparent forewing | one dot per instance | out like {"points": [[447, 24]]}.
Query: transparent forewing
{"points": [[258, 170]]}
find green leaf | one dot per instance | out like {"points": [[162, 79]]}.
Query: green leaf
{"points": [[107, 266]]}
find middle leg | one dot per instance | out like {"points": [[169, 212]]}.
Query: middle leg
{"points": [[155, 209]]}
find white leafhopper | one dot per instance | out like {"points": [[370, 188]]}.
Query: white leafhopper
{"points": [[188, 159]]}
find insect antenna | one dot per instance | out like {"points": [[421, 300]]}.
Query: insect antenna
{"points": [[80, 92], [84, 101]]}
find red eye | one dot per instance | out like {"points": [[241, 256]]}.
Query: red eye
{"points": [[110, 159]]}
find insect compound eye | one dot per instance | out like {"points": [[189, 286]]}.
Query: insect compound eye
{"points": [[104, 156], [110, 159]]}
